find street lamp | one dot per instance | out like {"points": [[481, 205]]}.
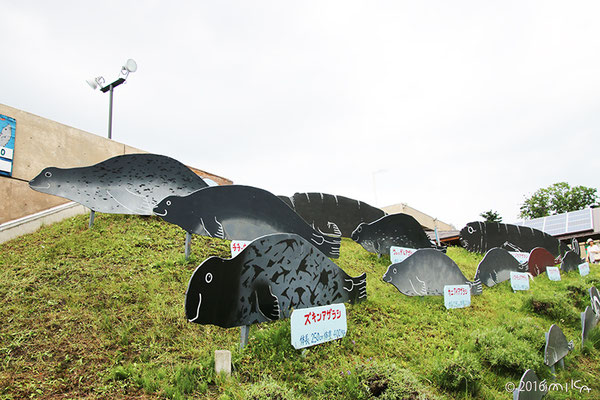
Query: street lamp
{"points": [[98, 82]]}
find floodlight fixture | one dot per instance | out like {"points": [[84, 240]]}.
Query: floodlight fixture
{"points": [[99, 82], [130, 65], [96, 83]]}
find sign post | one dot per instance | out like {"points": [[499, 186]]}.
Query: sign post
{"points": [[188, 245], [244, 333], [92, 216]]}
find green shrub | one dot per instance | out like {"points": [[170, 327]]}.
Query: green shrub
{"points": [[458, 373], [593, 341], [506, 351], [120, 373], [387, 381], [268, 388], [556, 306], [382, 380], [526, 329], [184, 380], [579, 295]]}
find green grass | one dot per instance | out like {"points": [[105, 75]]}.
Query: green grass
{"points": [[98, 313]]}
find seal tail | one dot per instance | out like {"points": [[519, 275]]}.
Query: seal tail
{"points": [[357, 288]]}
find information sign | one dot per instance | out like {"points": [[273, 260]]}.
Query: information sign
{"points": [[8, 127], [519, 280], [316, 325], [584, 269], [237, 246], [553, 273], [521, 256], [457, 296], [399, 254]]}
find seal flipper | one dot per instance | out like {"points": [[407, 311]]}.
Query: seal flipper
{"points": [[213, 227], [268, 304], [476, 287], [357, 287], [132, 202], [329, 245]]}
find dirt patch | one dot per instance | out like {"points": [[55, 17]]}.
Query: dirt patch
{"points": [[540, 307], [377, 385]]}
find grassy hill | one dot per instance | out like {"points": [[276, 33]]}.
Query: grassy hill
{"points": [[98, 313]]}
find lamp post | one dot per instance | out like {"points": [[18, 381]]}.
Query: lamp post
{"points": [[98, 82]]}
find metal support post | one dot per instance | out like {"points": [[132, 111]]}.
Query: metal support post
{"points": [[92, 215], [188, 245], [110, 107], [245, 331]]}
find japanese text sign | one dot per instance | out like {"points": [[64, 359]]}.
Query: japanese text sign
{"points": [[457, 296], [553, 273], [519, 280], [584, 269], [399, 254], [521, 256], [237, 246], [316, 325]]}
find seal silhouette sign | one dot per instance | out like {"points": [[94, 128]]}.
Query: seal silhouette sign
{"points": [[126, 184], [426, 272], [272, 276], [400, 230], [237, 212], [496, 266]]}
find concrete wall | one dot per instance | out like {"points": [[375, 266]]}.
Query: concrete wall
{"points": [[33, 222], [40, 143]]}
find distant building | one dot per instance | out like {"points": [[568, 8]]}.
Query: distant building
{"points": [[579, 225], [446, 233]]}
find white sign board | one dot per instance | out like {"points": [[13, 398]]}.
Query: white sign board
{"points": [[457, 296], [316, 325], [584, 269], [6, 166], [553, 273], [519, 280], [521, 256], [237, 246], [399, 254]]}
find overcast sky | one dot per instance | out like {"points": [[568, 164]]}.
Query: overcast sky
{"points": [[453, 107]]}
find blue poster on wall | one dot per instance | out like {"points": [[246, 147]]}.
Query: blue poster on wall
{"points": [[8, 128]]}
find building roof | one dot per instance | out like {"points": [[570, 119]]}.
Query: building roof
{"points": [[216, 178], [426, 221]]}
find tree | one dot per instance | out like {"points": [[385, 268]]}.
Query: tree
{"points": [[556, 199], [491, 216]]}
